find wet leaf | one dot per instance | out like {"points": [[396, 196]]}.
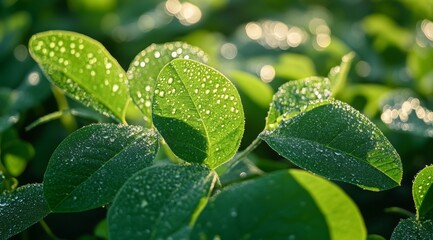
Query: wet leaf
{"points": [[422, 191], [411, 229], [292, 97], [89, 166], [84, 69], [21, 208], [293, 66], [160, 202], [338, 75], [144, 69], [282, 205], [198, 112], [334, 140], [402, 110]]}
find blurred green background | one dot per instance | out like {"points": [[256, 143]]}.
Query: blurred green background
{"points": [[259, 45]]}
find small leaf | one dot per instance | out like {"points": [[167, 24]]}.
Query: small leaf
{"points": [[144, 69], [292, 97], [402, 110], [159, 202], [422, 191], [334, 140], [21, 208], [89, 166], [198, 112], [282, 205], [84, 69], [411, 229], [338, 75]]}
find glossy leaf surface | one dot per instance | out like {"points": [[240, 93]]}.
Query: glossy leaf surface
{"points": [[198, 112], [146, 66], [160, 202], [21, 208], [89, 166], [411, 229], [282, 205], [422, 191], [294, 96], [84, 69], [332, 139]]}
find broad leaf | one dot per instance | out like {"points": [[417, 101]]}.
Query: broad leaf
{"points": [[21, 208], [294, 66], [294, 96], [144, 69], [338, 75], [198, 112], [282, 205], [411, 229], [89, 166], [84, 69], [402, 110], [334, 140], [160, 202], [422, 192]]}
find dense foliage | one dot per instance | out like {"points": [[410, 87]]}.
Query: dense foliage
{"points": [[290, 109]]}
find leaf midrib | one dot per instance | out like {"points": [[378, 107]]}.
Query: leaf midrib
{"points": [[195, 109]]}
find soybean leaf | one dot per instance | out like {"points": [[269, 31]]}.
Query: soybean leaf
{"points": [[402, 110], [160, 202], [198, 112], [334, 140], [21, 208], [422, 192], [144, 69], [412, 229], [292, 97], [84, 69], [89, 166], [282, 205]]}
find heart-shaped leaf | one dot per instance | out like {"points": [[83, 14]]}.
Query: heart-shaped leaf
{"points": [[84, 69], [89, 166], [144, 69], [294, 96], [422, 191], [334, 140], [198, 112], [412, 229], [21, 208], [160, 202], [282, 205]]}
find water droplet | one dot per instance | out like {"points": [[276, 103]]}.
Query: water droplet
{"points": [[170, 81], [144, 203], [157, 54], [161, 94], [148, 103], [147, 88], [115, 87]]}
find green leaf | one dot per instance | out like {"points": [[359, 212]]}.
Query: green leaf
{"points": [[144, 69], [84, 69], [160, 202], [89, 166], [422, 191], [198, 112], [292, 97], [338, 75], [240, 171], [402, 110], [282, 205], [294, 66], [411, 229], [334, 140], [21, 208]]}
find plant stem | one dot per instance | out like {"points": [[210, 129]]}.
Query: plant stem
{"points": [[67, 119], [247, 150], [400, 211], [48, 230]]}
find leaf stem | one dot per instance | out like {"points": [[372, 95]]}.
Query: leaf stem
{"points": [[399, 211], [62, 103], [48, 230], [253, 145]]}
